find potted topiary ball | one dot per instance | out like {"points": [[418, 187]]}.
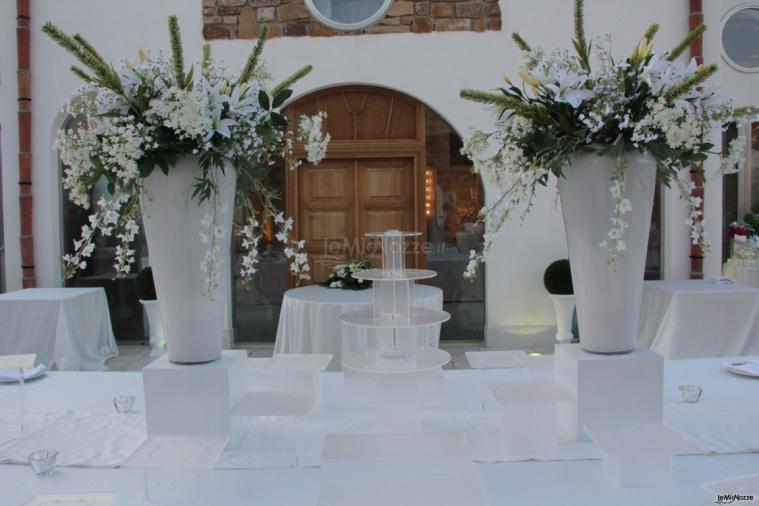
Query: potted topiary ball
{"points": [[145, 289], [558, 281]]}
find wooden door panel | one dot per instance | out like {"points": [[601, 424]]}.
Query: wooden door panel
{"points": [[326, 212], [386, 200], [386, 219], [329, 225], [387, 185]]}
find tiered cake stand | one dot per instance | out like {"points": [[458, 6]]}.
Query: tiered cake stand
{"points": [[388, 343]]}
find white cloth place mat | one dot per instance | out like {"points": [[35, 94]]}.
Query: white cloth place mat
{"points": [[99, 499], [81, 439], [715, 428], [178, 452]]}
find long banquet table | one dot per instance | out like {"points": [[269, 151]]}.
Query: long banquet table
{"points": [[569, 482]]}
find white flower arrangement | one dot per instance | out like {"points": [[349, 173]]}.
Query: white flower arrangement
{"points": [[342, 275], [647, 102], [142, 114]]}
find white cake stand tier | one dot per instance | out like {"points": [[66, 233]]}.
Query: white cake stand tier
{"points": [[388, 344]]}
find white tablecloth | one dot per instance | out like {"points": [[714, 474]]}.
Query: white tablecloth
{"points": [[309, 321], [69, 328], [572, 483], [742, 274], [696, 318]]}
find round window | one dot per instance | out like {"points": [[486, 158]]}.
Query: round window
{"points": [[348, 14], [740, 38]]}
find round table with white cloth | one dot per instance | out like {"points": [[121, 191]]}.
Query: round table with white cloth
{"points": [[310, 318], [743, 274]]}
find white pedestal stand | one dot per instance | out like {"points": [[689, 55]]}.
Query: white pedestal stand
{"points": [[609, 390], [390, 347], [495, 366], [639, 456], [530, 416], [283, 392], [194, 400], [389, 469]]}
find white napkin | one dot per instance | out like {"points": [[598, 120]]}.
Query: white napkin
{"points": [[11, 374]]}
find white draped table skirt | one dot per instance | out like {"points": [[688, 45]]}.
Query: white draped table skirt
{"points": [[69, 328], [699, 319]]}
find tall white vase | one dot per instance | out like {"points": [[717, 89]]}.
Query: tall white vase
{"points": [[608, 298], [564, 310], [155, 329], [193, 321]]}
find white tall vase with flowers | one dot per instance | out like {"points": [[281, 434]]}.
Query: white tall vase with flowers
{"points": [[188, 150], [608, 128]]}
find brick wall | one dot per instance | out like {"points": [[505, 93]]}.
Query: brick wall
{"points": [[239, 19]]}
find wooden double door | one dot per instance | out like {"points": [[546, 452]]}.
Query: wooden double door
{"points": [[372, 179], [341, 200]]}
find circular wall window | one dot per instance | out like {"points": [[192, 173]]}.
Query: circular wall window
{"points": [[740, 38], [348, 14]]}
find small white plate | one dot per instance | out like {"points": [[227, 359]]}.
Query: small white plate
{"points": [[740, 367], [29, 374], [100, 499]]}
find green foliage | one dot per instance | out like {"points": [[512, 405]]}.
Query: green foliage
{"points": [[177, 53], [651, 32], [83, 51], [297, 76], [520, 42], [698, 77], [206, 58], [579, 42], [251, 64], [500, 100], [558, 278], [686, 42], [342, 275], [752, 223], [144, 286]]}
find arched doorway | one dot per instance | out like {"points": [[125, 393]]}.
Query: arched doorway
{"points": [[392, 163]]}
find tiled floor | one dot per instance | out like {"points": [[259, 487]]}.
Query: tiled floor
{"points": [[134, 357]]}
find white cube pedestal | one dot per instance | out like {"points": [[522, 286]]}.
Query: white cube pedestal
{"points": [[609, 390], [291, 373], [430, 469], [639, 456], [396, 398], [194, 400], [530, 416]]}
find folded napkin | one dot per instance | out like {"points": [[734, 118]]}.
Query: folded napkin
{"points": [[11, 374]]}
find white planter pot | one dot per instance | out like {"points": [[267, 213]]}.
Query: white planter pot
{"points": [[155, 329], [608, 299], [193, 322], [564, 308]]}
